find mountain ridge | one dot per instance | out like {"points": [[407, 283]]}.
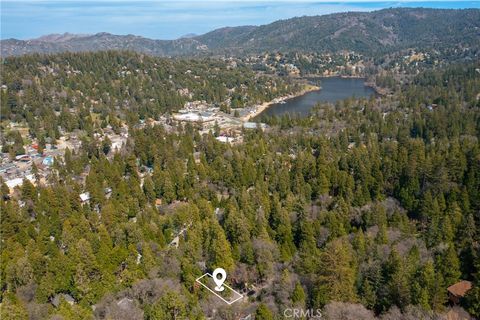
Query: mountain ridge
{"points": [[366, 32]]}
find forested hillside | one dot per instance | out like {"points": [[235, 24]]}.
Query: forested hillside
{"points": [[370, 207], [369, 33], [91, 90]]}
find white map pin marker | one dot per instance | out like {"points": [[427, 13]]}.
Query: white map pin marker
{"points": [[219, 281]]}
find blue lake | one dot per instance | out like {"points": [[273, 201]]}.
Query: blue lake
{"points": [[332, 90]]}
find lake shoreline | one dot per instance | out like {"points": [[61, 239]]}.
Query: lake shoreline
{"points": [[334, 76], [264, 106], [379, 90], [332, 90]]}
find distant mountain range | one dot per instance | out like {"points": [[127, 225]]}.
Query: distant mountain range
{"points": [[365, 32]]}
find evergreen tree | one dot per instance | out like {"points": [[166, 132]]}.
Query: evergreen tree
{"points": [[263, 313]]}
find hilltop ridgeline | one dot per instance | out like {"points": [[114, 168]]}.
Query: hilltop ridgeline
{"points": [[365, 32]]}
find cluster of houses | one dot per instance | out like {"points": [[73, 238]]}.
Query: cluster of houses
{"points": [[14, 171], [326, 64], [209, 118], [36, 165]]}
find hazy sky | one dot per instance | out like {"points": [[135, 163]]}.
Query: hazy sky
{"points": [[170, 19]]}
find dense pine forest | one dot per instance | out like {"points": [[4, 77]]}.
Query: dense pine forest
{"points": [[369, 208], [88, 90]]}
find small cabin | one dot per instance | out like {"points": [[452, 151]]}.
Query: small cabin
{"points": [[23, 158], [458, 290], [48, 161], [85, 197]]}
